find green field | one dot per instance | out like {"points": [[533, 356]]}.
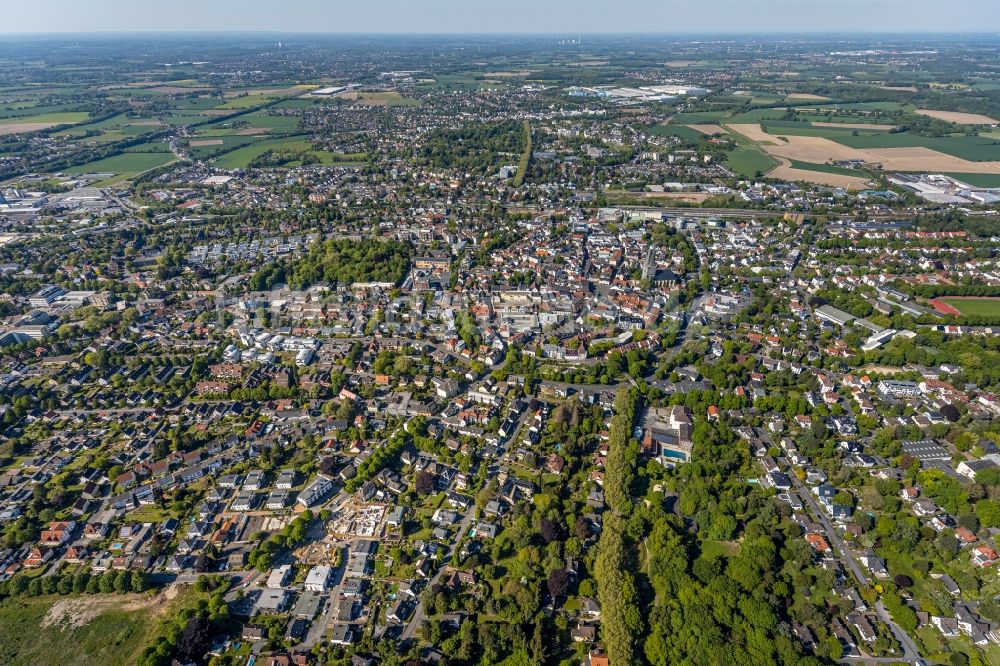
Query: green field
{"points": [[860, 106], [59, 118], [260, 120], [828, 168], [113, 128], [126, 165], [972, 148], [195, 103], [792, 128], [748, 161], [237, 103], [700, 117], [680, 131], [229, 142], [975, 307], [241, 157], [978, 179], [19, 115], [755, 116], [113, 637]]}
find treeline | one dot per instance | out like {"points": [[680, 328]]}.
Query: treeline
{"points": [[379, 459], [522, 165], [954, 220], [938, 290], [279, 158], [339, 261], [75, 583], [621, 621], [190, 633], [722, 573], [623, 452]]}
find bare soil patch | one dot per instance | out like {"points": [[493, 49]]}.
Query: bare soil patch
{"points": [[786, 171], [806, 96], [819, 150], [254, 131], [207, 142], [18, 128], [958, 117], [76, 612], [753, 132]]}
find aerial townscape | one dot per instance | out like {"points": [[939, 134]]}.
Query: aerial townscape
{"points": [[568, 350]]}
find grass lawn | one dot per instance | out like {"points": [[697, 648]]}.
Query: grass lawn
{"points": [[724, 548], [345, 159], [975, 307], [126, 165], [149, 514]]}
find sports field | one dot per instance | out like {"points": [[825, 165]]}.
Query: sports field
{"points": [[973, 306]]}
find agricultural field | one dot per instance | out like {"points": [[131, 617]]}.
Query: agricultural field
{"points": [[958, 117], [251, 124], [388, 98], [897, 152], [682, 131], [749, 161], [124, 166], [242, 157], [246, 102], [33, 123]]}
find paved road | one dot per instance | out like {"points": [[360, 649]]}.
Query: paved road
{"points": [[910, 650], [841, 548], [317, 630], [418, 615], [911, 653]]}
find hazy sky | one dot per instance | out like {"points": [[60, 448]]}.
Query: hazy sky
{"points": [[508, 16]]}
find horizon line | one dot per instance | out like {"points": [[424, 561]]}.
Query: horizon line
{"points": [[626, 33]]}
